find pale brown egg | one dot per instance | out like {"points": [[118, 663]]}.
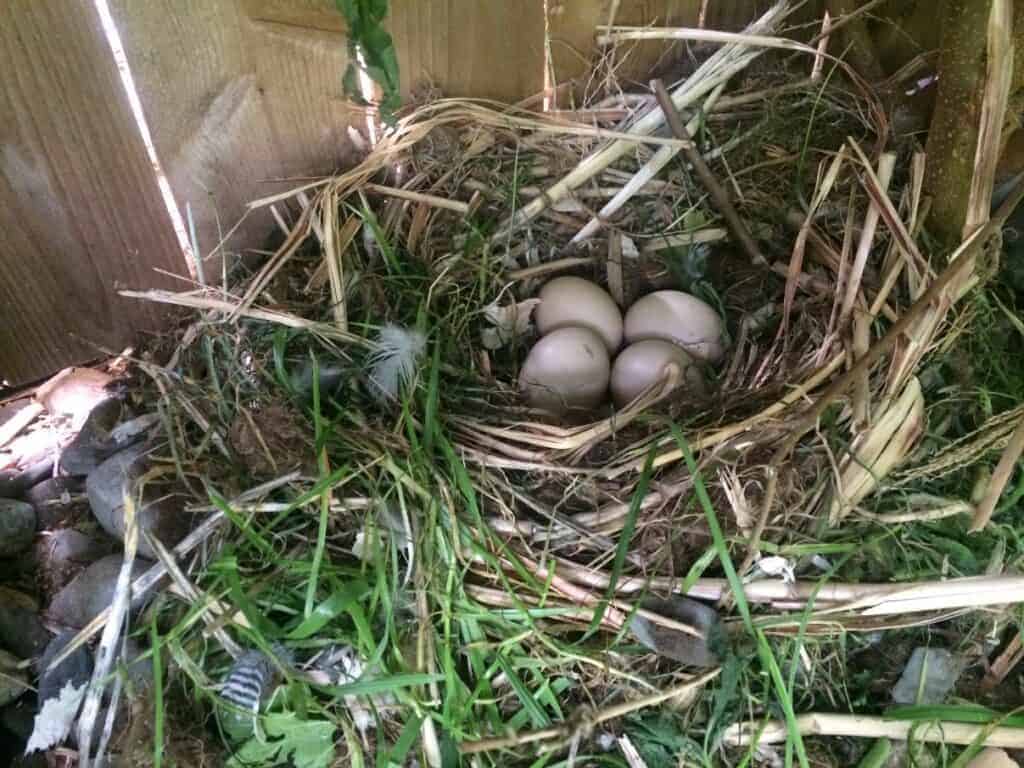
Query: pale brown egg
{"points": [[640, 365], [679, 318], [993, 758], [567, 369], [574, 302]]}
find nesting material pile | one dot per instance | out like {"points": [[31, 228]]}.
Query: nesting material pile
{"points": [[455, 560]]}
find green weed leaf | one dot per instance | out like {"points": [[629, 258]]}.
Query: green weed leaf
{"points": [[306, 743]]}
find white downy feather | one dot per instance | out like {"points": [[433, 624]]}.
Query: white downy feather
{"points": [[393, 362], [53, 722]]}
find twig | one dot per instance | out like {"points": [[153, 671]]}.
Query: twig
{"points": [[420, 197], [845, 19], [819, 60], [827, 724], [1000, 477], [886, 166], [118, 613], [13, 426], [1004, 664], [586, 721], [719, 197]]}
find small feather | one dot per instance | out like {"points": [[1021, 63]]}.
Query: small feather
{"points": [[54, 721], [393, 362]]}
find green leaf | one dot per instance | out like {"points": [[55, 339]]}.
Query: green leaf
{"points": [[339, 602], [368, 38], [306, 743]]}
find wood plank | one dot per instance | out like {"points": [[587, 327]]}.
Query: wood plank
{"points": [[80, 210], [259, 108], [573, 32]]}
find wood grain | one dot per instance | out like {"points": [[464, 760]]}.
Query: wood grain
{"points": [[243, 99], [80, 210]]}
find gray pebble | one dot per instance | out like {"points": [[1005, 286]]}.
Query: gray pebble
{"points": [[17, 526], [75, 669], [21, 628], [939, 669], [55, 503], [162, 511], [92, 591]]}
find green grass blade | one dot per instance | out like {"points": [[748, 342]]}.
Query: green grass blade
{"points": [[158, 695], [625, 537], [538, 716], [763, 648], [339, 602], [382, 684]]}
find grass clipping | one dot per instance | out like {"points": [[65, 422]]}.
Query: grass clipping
{"points": [[347, 413]]}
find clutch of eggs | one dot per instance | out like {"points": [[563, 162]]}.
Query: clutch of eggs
{"points": [[582, 330]]}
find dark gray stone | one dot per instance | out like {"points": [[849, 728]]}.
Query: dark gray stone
{"points": [[17, 526], [55, 502], [11, 484], [75, 669], [21, 627], [37, 472], [675, 644], [65, 553], [330, 380], [19, 718], [13, 681], [92, 591], [101, 436], [162, 512], [140, 670]]}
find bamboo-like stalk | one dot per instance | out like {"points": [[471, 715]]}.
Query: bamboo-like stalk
{"points": [[108, 646], [419, 197], [619, 34], [879, 450], [870, 727], [886, 166], [646, 174], [718, 69], [1000, 477], [863, 599]]}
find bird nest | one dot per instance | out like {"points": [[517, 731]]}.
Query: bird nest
{"points": [[368, 369]]}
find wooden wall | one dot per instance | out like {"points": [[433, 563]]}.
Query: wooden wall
{"points": [[79, 210], [242, 97]]}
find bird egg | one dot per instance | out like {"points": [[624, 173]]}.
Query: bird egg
{"points": [[575, 302], [567, 369], [679, 318]]}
